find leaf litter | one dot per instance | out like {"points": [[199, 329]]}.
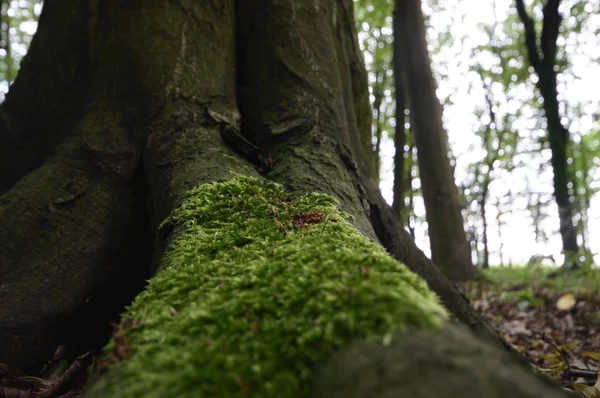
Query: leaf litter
{"points": [[552, 320]]}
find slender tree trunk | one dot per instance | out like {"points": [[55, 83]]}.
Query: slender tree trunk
{"points": [[471, 231], [543, 60], [399, 188], [583, 203], [486, 249], [586, 207], [535, 208], [378, 108], [491, 155], [411, 196], [449, 246], [500, 225], [400, 133]]}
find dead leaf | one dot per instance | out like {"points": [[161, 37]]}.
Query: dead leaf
{"points": [[566, 301]]}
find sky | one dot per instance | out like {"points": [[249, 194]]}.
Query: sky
{"points": [[581, 88]]}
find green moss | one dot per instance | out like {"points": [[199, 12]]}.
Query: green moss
{"points": [[257, 293]]}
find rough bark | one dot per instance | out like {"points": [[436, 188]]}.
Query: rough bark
{"points": [[296, 98], [449, 246], [180, 95], [360, 94], [64, 225], [43, 104], [543, 59]]}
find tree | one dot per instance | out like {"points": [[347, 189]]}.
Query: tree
{"points": [[542, 57], [383, 66], [375, 41], [403, 158], [449, 247], [140, 119], [585, 160], [496, 136]]}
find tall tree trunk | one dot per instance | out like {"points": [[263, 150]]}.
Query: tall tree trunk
{"points": [[491, 155], [400, 133], [449, 246], [400, 183], [484, 237], [378, 108], [535, 208], [254, 285], [500, 225], [583, 203], [585, 208], [543, 60], [410, 214]]}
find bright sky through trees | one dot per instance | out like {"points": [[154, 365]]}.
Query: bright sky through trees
{"points": [[579, 87]]}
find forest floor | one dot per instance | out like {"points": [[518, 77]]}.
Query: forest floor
{"points": [[553, 320]]}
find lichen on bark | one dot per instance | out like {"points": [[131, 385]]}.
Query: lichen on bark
{"points": [[256, 293]]}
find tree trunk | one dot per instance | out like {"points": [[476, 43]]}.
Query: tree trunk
{"points": [[543, 59], [378, 108], [449, 246], [411, 197], [400, 183], [583, 196], [255, 285], [500, 224], [484, 236]]}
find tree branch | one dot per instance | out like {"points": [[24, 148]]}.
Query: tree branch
{"points": [[530, 36]]}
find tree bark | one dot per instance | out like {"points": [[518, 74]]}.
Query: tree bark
{"points": [[64, 225], [179, 95], [401, 183], [397, 370], [32, 125], [449, 246]]}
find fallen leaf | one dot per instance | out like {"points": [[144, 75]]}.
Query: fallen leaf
{"points": [[566, 301], [593, 355]]}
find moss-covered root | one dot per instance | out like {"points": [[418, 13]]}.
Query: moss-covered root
{"points": [[257, 292], [446, 363]]}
